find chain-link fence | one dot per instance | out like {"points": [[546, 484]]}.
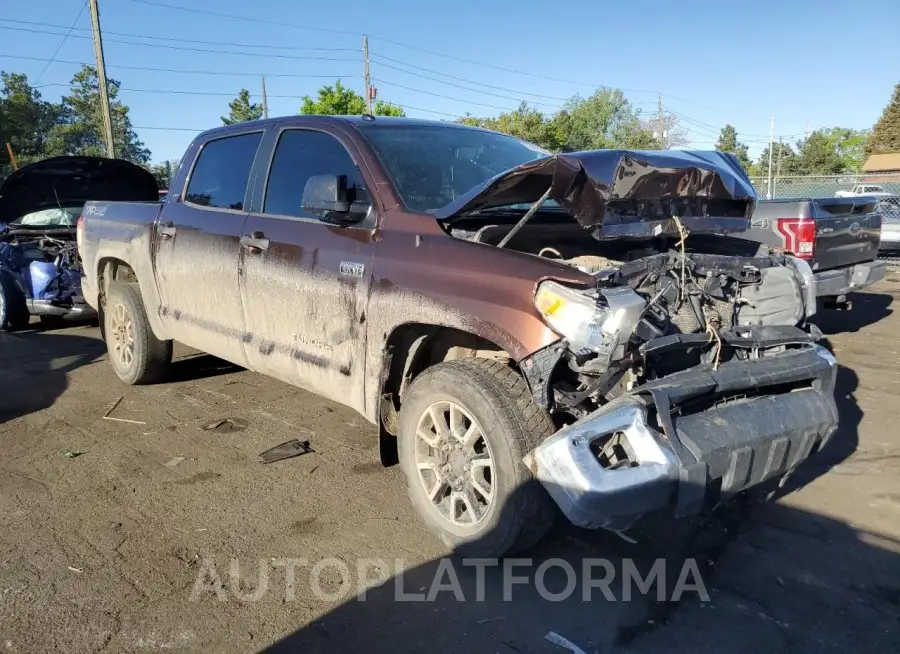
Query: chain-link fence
{"points": [[817, 186]]}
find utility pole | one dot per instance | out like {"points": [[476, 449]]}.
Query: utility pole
{"points": [[778, 169], [265, 101], [101, 76], [659, 121], [366, 74], [771, 147]]}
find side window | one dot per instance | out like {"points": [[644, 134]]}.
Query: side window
{"points": [[299, 155], [222, 171]]}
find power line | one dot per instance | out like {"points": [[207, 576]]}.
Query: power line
{"points": [[63, 42], [189, 49], [182, 70], [445, 97], [192, 40], [461, 79], [466, 88], [262, 21]]}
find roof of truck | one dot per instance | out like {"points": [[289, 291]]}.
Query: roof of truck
{"points": [[335, 120]]}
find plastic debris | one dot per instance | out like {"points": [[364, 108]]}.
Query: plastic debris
{"points": [[286, 450], [71, 454], [556, 639], [174, 461], [73, 569], [225, 425]]}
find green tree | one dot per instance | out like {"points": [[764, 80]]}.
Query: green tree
{"points": [[605, 119], [79, 126], [790, 162], [338, 100], [526, 123], [241, 110], [25, 118], [728, 142], [832, 151], [885, 137]]}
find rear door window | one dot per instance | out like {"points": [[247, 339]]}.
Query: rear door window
{"points": [[302, 154], [222, 172]]}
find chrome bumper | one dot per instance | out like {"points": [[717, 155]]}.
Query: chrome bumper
{"points": [[846, 280], [684, 462]]}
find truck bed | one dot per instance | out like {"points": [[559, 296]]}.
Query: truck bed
{"points": [[847, 230]]}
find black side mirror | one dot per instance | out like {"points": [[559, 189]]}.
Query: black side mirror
{"points": [[326, 197]]}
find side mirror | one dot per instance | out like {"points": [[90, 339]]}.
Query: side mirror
{"points": [[325, 196]]}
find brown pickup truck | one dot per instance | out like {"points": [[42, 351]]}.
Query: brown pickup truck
{"points": [[524, 328]]}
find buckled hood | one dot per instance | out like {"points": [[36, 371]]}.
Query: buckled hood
{"points": [[70, 181], [608, 185]]}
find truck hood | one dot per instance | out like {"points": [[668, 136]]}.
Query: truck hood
{"points": [[70, 181], [595, 185]]}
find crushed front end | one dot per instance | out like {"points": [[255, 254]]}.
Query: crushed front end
{"points": [[681, 378]]}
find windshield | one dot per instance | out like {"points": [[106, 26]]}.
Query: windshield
{"points": [[431, 165], [55, 217]]}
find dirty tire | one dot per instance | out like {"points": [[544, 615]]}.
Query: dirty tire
{"points": [[497, 397], [13, 312], [150, 358]]}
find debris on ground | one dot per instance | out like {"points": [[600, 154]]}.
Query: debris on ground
{"points": [[556, 639], [73, 569], [174, 461], [112, 408], [71, 454], [286, 450], [225, 425]]}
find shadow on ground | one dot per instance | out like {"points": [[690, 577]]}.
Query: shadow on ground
{"points": [[867, 308], [754, 577], [199, 366], [34, 365]]}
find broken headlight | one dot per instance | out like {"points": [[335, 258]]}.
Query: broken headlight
{"points": [[585, 322]]}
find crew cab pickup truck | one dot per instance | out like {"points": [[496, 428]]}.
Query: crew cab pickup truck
{"points": [[838, 237], [524, 328]]}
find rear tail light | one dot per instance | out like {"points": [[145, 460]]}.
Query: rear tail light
{"points": [[799, 236], [79, 232]]}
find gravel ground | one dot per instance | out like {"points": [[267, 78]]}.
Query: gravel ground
{"points": [[118, 548]]}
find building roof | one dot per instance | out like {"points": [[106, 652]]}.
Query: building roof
{"points": [[878, 162]]}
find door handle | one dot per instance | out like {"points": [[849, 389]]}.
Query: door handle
{"points": [[255, 242], [165, 230]]}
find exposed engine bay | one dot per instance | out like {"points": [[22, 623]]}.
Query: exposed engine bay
{"points": [[41, 275], [657, 306]]}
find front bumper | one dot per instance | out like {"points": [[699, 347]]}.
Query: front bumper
{"points": [[846, 280], [681, 459]]}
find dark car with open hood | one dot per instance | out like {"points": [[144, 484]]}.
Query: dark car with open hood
{"points": [[527, 330], [40, 271]]}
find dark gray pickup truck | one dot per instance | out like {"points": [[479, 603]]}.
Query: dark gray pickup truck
{"points": [[838, 238]]}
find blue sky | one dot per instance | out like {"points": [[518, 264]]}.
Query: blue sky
{"points": [[803, 61]]}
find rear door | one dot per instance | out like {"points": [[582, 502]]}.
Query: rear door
{"points": [[197, 248], [848, 231], [305, 283]]}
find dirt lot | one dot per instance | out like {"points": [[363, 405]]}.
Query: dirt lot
{"points": [[102, 551]]}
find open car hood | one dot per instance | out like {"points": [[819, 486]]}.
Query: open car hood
{"points": [[70, 181], [626, 192]]}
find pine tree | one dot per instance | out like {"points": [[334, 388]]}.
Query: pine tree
{"points": [[241, 109], [885, 138]]}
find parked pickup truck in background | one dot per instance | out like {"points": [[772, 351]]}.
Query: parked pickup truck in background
{"points": [[872, 190], [838, 237], [521, 326]]}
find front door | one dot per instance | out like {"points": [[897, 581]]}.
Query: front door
{"points": [[198, 250], [305, 283]]}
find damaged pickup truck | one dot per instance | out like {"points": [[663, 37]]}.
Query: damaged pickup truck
{"points": [[524, 328], [40, 272]]}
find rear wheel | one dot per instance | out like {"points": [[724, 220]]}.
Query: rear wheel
{"points": [[137, 356], [464, 427]]}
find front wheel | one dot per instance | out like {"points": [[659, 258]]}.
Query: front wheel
{"points": [[464, 427], [137, 356]]}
